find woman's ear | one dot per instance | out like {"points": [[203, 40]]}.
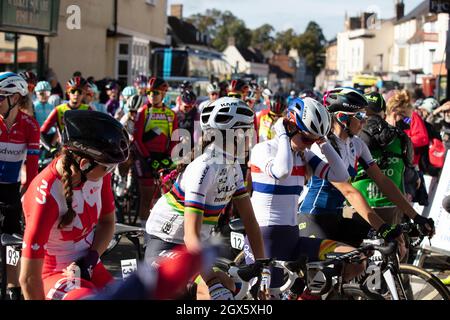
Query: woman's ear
{"points": [[85, 164]]}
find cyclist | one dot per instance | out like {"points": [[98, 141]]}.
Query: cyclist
{"points": [[76, 89], [69, 210], [266, 119], [31, 80], [254, 98], [127, 93], [280, 168], [152, 136], [213, 90], [91, 98], [113, 104], [19, 142], [189, 117], [321, 213], [223, 88], [140, 84], [239, 89], [186, 214], [42, 108]]}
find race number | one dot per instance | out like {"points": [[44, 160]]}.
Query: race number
{"points": [[237, 240], [12, 256], [128, 267]]}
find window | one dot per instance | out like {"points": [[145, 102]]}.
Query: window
{"points": [[123, 48]]}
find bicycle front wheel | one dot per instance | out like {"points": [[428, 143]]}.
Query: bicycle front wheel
{"points": [[419, 284]]}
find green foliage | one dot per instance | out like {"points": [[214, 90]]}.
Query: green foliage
{"points": [[311, 46], [262, 37]]}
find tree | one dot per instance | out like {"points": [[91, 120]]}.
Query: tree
{"points": [[206, 23], [262, 37], [285, 40], [311, 46]]}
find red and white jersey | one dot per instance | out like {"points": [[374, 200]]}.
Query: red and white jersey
{"points": [[44, 204]]}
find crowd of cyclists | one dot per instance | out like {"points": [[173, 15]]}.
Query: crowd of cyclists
{"points": [[318, 173]]}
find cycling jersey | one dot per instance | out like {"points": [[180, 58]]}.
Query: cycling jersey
{"points": [[56, 117], [208, 184], [275, 198], [322, 196], [17, 144], [42, 111], [44, 204], [153, 130], [265, 126]]}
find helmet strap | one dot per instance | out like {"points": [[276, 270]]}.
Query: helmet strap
{"points": [[346, 126], [10, 107], [84, 172]]}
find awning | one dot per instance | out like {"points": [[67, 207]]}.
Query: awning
{"points": [[28, 56]]}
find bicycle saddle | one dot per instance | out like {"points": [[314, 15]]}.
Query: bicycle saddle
{"points": [[236, 225], [124, 229], [11, 240]]}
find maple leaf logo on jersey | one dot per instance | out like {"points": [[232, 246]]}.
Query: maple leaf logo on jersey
{"points": [[35, 247], [82, 225]]}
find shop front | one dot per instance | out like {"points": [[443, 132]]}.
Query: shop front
{"points": [[24, 24]]}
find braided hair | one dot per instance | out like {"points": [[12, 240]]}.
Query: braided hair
{"points": [[67, 162]]}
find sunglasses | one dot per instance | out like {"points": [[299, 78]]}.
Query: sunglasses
{"points": [[153, 92], [3, 98], [44, 93], [214, 93], [75, 91], [108, 167], [235, 95]]}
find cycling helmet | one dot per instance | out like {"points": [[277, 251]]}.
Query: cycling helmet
{"points": [[95, 135], [29, 77], [92, 88], [254, 88], [344, 99], [238, 86], [157, 84], [186, 85], [376, 102], [267, 94], [141, 81], [11, 83], [43, 86], [189, 98], [429, 104], [129, 91], [135, 102], [212, 87], [310, 116], [308, 93], [112, 85], [278, 104], [227, 113], [76, 83]]}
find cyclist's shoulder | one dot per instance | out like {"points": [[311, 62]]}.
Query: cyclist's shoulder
{"points": [[28, 121]]}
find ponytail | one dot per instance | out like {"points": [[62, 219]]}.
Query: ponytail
{"points": [[67, 161]]}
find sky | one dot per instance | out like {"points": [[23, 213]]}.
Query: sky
{"points": [[285, 14]]}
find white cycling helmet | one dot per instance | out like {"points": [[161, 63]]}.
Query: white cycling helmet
{"points": [[227, 113], [212, 87], [267, 94], [310, 116], [429, 104], [11, 83]]}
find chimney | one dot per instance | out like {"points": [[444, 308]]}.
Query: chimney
{"points": [[176, 10], [231, 41], [399, 9]]}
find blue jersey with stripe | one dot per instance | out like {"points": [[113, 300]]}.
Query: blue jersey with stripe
{"points": [[322, 197]]}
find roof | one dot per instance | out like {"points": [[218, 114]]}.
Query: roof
{"points": [[251, 54], [184, 32], [422, 9]]}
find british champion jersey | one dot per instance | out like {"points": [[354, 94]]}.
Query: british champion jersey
{"points": [[205, 188], [322, 196], [17, 144], [275, 201], [44, 204]]}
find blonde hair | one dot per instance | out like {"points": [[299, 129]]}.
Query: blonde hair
{"points": [[399, 102]]}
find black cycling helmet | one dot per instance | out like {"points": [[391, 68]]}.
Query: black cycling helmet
{"points": [[112, 85], [186, 85], [95, 135], [135, 102], [76, 83], [278, 104], [29, 77], [376, 102], [344, 99], [188, 97], [141, 80]]}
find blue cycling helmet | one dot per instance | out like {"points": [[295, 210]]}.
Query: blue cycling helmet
{"points": [[129, 91], [309, 116], [43, 86]]}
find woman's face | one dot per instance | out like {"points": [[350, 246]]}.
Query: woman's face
{"points": [[4, 106], [98, 172], [301, 140], [356, 125]]}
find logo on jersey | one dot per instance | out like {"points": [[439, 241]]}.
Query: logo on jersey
{"points": [[204, 175], [42, 190]]}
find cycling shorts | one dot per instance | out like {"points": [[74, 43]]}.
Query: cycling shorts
{"points": [[333, 226], [284, 243], [10, 196], [60, 287]]}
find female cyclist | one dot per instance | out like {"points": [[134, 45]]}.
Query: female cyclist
{"points": [[322, 209], [19, 142], [63, 206], [186, 214], [280, 168]]}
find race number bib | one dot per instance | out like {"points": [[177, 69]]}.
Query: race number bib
{"points": [[237, 240], [128, 267], [12, 256]]}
